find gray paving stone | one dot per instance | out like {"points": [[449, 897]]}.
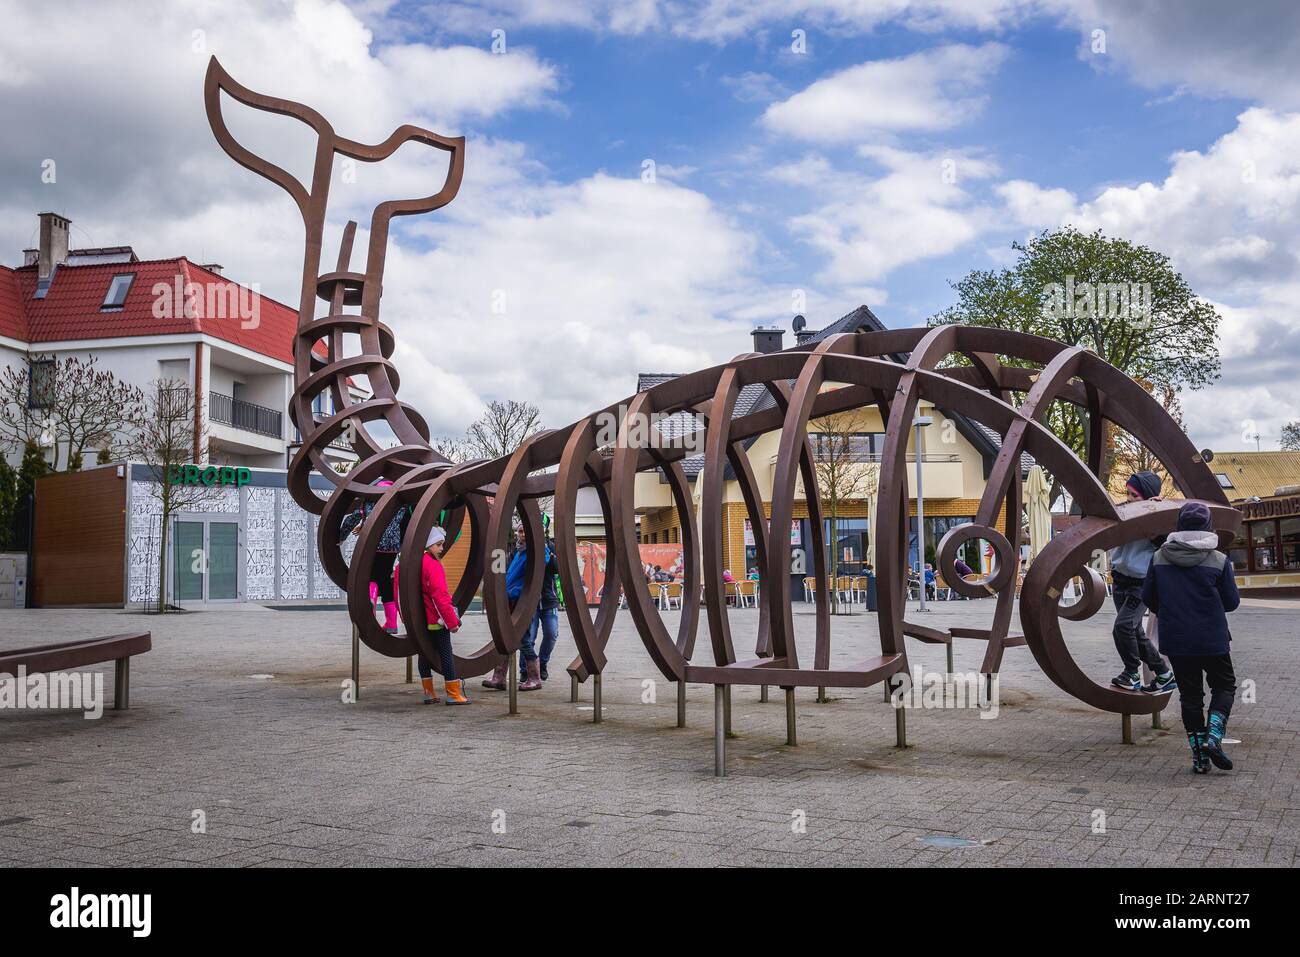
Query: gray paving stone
{"points": [[288, 775]]}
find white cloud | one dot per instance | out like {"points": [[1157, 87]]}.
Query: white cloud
{"points": [[1248, 51], [750, 87], [1228, 217], [869, 225], [930, 90], [603, 277], [721, 20]]}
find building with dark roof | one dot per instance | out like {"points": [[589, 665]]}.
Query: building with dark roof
{"points": [[955, 459]]}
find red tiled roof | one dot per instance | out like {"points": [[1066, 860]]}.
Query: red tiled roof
{"points": [[13, 322], [71, 308]]}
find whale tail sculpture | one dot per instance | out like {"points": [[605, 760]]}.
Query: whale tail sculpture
{"points": [[607, 449]]}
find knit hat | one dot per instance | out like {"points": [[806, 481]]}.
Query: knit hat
{"points": [[1194, 517], [436, 535], [1146, 484]]}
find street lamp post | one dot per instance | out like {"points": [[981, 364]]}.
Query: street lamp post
{"points": [[920, 422]]}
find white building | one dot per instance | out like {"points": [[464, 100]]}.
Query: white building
{"points": [[148, 320]]}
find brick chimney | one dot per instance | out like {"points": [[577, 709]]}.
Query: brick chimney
{"points": [[767, 340], [53, 249]]}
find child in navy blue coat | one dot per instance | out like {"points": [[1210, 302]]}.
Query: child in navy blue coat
{"points": [[1191, 588]]}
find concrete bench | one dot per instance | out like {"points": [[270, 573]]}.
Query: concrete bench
{"points": [[78, 654]]}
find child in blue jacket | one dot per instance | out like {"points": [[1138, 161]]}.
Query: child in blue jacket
{"points": [[1191, 588]]}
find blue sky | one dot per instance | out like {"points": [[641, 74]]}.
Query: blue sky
{"points": [[777, 171]]}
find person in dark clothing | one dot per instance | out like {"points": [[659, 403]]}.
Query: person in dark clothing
{"points": [[514, 588], [1191, 587], [532, 663], [1128, 568]]}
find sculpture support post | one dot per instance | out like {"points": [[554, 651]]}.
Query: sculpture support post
{"points": [[512, 682], [356, 663], [790, 737], [681, 704], [719, 735], [595, 698]]}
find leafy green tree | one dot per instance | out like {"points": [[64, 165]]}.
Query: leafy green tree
{"points": [[32, 467], [1122, 300]]}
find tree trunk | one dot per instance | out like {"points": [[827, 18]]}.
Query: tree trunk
{"points": [[162, 556], [834, 563]]}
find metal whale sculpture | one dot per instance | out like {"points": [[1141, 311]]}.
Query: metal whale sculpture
{"points": [[489, 494]]}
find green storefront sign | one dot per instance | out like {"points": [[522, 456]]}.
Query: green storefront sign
{"points": [[211, 475]]}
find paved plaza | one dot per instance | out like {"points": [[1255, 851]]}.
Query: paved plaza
{"points": [[237, 713]]}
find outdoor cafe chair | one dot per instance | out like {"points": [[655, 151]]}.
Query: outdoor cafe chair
{"points": [[747, 593], [673, 593], [844, 589]]}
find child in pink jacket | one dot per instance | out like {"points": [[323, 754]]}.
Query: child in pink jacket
{"points": [[443, 621]]}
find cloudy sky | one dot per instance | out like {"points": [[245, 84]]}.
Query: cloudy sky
{"points": [[647, 180]]}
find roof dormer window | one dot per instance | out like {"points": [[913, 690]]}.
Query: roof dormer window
{"points": [[117, 290]]}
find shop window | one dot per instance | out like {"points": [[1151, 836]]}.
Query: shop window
{"points": [[1238, 553], [1290, 543], [1263, 546]]}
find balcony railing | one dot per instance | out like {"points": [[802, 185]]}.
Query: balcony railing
{"points": [[245, 415]]}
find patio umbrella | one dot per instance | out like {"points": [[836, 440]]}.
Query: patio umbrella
{"points": [[869, 553], [1038, 508]]}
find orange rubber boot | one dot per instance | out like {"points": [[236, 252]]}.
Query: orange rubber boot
{"points": [[455, 692], [430, 696]]}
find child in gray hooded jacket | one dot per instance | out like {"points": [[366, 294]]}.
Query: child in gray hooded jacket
{"points": [[1128, 567]]}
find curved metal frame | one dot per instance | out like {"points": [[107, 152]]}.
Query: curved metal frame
{"points": [[491, 493]]}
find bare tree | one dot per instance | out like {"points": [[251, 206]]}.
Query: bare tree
{"points": [[24, 413], [164, 440], [67, 402], [453, 449], [845, 472], [1129, 456], [502, 427]]}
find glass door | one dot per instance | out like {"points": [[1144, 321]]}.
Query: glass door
{"points": [[205, 559], [189, 561], [223, 561]]}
